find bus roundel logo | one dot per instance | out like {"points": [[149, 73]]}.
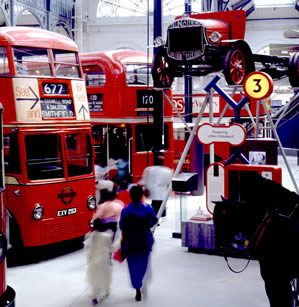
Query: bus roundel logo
{"points": [[258, 85], [67, 194]]}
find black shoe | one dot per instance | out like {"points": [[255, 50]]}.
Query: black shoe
{"points": [[95, 301], [138, 295]]}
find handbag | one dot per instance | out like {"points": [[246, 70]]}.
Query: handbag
{"points": [[118, 256]]}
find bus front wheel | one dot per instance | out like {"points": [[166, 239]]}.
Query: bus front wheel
{"points": [[14, 239]]}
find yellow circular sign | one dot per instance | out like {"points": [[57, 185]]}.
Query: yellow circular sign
{"points": [[258, 85]]}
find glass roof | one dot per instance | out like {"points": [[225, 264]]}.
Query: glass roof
{"points": [[123, 8], [274, 2]]}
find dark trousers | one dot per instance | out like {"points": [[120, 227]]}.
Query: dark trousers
{"points": [[137, 264], [156, 204]]}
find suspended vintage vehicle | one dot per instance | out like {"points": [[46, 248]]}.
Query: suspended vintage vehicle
{"points": [[199, 44]]}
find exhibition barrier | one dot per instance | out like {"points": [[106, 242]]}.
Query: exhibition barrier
{"points": [[199, 235], [182, 185]]}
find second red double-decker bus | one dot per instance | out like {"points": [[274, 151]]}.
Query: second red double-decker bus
{"points": [[121, 99], [50, 191], [7, 294]]}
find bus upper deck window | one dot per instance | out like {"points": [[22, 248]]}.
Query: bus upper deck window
{"points": [[32, 61], [4, 68], [138, 74], [66, 64], [94, 75]]}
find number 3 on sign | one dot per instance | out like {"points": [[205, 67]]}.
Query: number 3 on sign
{"points": [[258, 85]]}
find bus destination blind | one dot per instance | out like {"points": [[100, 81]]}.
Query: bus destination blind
{"points": [[95, 102], [57, 108]]}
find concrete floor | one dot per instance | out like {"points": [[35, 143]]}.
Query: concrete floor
{"points": [[179, 278]]}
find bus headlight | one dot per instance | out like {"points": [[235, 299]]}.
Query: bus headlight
{"points": [[3, 247], [38, 212], [91, 203]]}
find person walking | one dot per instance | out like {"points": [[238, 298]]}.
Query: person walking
{"points": [[157, 180], [123, 195], [100, 244], [136, 221], [109, 209], [102, 181]]}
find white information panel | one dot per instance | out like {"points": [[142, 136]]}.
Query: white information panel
{"points": [[27, 99], [234, 134], [80, 100]]}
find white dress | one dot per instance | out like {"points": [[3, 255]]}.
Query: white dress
{"points": [[99, 246]]}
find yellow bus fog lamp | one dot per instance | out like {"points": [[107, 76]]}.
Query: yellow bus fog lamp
{"points": [[38, 212], [91, 203]]}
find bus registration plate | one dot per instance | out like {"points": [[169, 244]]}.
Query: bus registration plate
{"points": [[66, 212]]}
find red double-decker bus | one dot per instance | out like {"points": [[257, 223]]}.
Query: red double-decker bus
{"points": [[7, 294], [48, 152], [121, 101]]}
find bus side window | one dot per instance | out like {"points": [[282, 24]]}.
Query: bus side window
{"points": [[138, 74], [4, 68], [11, 154], [94, 75]]}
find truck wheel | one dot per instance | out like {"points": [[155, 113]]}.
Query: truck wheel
{"points": [[162, 71], [235, 69], [293, 66]]}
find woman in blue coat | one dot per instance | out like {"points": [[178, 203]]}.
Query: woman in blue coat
{"points": [[136, 221]]}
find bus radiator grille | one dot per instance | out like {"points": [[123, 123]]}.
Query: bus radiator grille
{"points": [[59, 230]]}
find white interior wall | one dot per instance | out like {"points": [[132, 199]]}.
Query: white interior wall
{"points": [[267, 26], [113, 34]]}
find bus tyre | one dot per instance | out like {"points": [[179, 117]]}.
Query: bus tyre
{"points": [[293, 66], [235, 67], [294, 285], [162, 71], [14, 240]]}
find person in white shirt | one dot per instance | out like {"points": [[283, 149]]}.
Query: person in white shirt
{"points": [[157, 180], [102, 181]]}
